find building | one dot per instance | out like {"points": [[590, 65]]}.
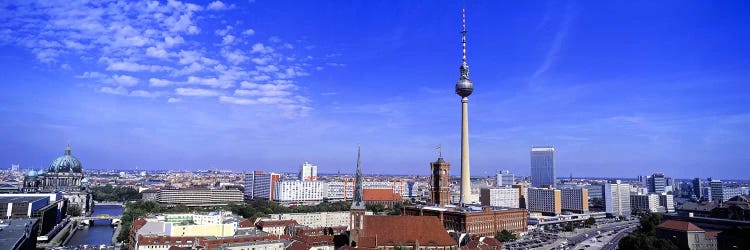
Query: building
{"points": [[197, 197], [275, 227], [464, 88], [299, 192], [667, 201], [686, 235], [542, 166], [697, 189], [657, 183], [617, 198], [545, 200], [440, 191], [150, 195], [260, 184], [385, 197], [18, 234], [504, 178], [308, 172], [499, 197], [523, 193], [396, 232], [65, 175], [49, 209], [595, 191], [481, 221], [313, 220], [646, 203], [730, 192], [717, 190], [575, 199]]}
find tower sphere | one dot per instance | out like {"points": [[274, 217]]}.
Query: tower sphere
{"points": [[464, 87]]}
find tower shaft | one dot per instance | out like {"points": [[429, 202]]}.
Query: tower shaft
{"points": [[465, 173]]}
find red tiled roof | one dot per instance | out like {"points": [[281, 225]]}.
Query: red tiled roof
{"points": [[679, 226], [298, 246], [246, 223], [380, 195], [404, 230]]}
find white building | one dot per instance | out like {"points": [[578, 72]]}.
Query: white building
{"points": [[617, 198], [200, 197], [300, 192], [646, 203], [308, 172], [313, 220], [575, 199], [667, 201], [504, 178], [545, 200], [499, 197]]}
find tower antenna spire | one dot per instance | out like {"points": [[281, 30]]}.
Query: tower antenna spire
{"points": [[463, 33]]}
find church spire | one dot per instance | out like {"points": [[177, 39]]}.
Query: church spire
{"points": [[67, 149], [358, 201]]}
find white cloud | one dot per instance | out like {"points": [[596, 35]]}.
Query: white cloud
{"points": [[144, 93], [234, 57], [174, 100], [260, 48], [91, 75], [224, 31], [227, 40], [172, 41], [125, 80], [261, 60], [135, 67], [274, 39], [156, 82], [249, 32], [267, 69], [196, 92], [157, 52], [211, 82], [235, 100], [114, 91], [218, 5]]}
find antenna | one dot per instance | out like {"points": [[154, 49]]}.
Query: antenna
{"points": [[463, 32]]}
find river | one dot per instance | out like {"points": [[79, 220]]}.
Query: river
{"points": [[100, 232]]}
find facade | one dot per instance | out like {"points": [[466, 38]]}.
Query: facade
{"points": [[575, 199], [440, 191], [686, 235], [617, 198], [730, 192], [523, 193], [299, 192], [657, 183], [542, 166], [667, 201], [499, 197], [48, 209], [199, 197], [308, 172], [382, 196], [504, 178], [483, 221], [65, 175], [18, 234], [717, 190], [545, 200], [595, 191], [339, 190], [260, 184], [697, 189], [314, 220], [646, 203]]}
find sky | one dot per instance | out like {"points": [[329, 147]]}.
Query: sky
{"points": [[620, 89]]}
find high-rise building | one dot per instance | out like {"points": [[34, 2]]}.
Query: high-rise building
{"points": [[646, 203], [595, 191], [575, 199], [504, 178], [308, 172], [617, 198], [464, 88], [542, 166], [667, 201], [260, 184], [499, 197], [657, 183], [697, 188], [440, 191], [545, 200], [717, 190]]}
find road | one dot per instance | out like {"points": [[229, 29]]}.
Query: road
{"points": [[583, 236], [614, 242]]}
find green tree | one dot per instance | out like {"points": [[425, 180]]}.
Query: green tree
{"points": [[505, 236], [74, 210], [590, 222]]}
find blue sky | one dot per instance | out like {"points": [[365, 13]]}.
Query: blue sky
{"points": [[620, 89]]}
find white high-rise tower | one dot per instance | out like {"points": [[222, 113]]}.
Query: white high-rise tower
{"points": [[464, 88]]}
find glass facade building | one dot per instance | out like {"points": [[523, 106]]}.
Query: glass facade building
{"points": [[542, 166]]}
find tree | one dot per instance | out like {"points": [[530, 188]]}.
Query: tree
{"points": [[74, 210], [590, 222], [505, 236], [648, 223]]}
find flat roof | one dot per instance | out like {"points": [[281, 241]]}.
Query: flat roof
{"points": [[21, 199], [11, 231]]}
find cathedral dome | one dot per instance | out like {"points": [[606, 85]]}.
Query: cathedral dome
{"points": [[66, 163]]}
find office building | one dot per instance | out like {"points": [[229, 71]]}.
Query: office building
{"points": [[18, 234], [730, 192], [308, 172], [646, 203], [440, 191], [299, 192], [504, 179], [697, 189], [260, 184], [575, 199], [542, 166], [48, 208], [595, 191], [667, 201], [617, 198], [657, 183], [499, 197], [14, 167], [523, 193], [314, 220], [717, 190], [198, 197], [547, 201]]}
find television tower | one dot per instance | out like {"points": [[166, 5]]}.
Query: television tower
{"points": [[464, 88]]}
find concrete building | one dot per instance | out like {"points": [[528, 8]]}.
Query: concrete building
{"points": [[667, 202], [260, 184], [504, 179], [686, 235], [300, 192], [646, 203], [717, 190], [595, 191], [308, 172], [313, 220], [547, 201], [575, 199], [730, 192], [500, 197], [617, 198], [200, 197], [657, 183], [49, 209], [697, 188], [542, 166], [18, 234], [440, 191]]}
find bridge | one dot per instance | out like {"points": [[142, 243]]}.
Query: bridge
{"points": [[87, 219]]}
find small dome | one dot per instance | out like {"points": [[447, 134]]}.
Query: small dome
{"points": [[66, 163]]}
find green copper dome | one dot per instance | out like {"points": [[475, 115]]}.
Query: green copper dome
{"points": [[66, 163]]}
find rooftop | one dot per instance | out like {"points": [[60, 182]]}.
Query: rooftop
{"points": [[21, 199], [675, 225], [13, 231]]}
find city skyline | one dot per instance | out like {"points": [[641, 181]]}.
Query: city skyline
{"points": [[617, 95]]}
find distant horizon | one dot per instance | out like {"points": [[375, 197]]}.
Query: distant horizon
{"points": [[616, 87]]}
